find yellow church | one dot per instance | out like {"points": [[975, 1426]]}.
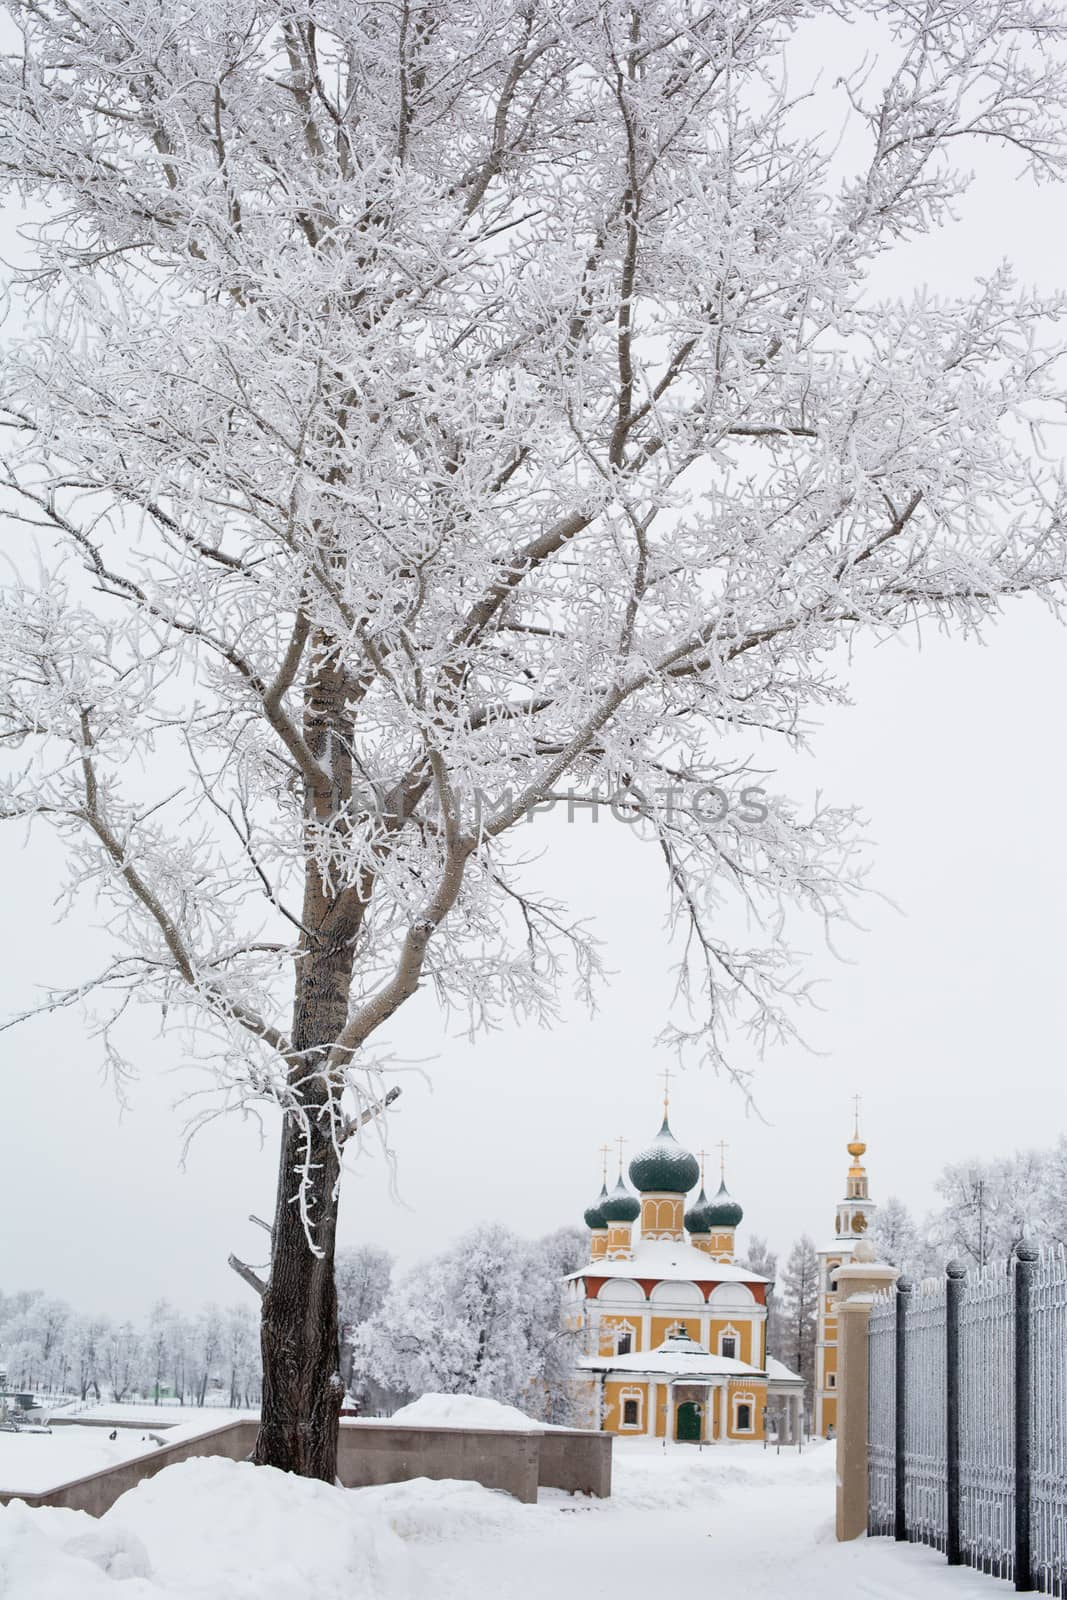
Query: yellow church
{"points": [[674, 1331]]}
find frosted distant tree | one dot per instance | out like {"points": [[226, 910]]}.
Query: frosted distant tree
{"points": [[1055, 1195], [207, 1349], [800, 1309], [455, 1324], [121, 1359], [760, 1258], [897, 1238], [550, 1391], [447, 401], [363, 1275], [88, 1337], [241, 1356], [990, 1206], [157, 1352]]}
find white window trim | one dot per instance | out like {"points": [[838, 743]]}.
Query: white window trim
{"points": [[619, 1329], [639, 1396], [730, 1332], [744, 1398]]}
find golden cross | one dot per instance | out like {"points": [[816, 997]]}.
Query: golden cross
{"points": [[620, 1141], [605, 1151], [702, 1154], [856, 1108], [666, 1076], [722, 1148]]}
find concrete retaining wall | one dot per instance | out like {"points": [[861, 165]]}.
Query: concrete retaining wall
{"points": [[375, 1453], [577, 1461]]}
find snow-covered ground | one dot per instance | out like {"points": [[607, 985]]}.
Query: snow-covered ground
{"points": [[35, 1461], [737, 1521]]}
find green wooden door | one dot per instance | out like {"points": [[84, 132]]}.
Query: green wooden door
{"points": [[688, 1424]]}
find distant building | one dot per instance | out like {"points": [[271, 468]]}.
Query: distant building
{"points": [[674, 1331], [851, 1222]]}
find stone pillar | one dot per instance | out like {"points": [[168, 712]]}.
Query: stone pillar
{"points": [[857, 1284]]}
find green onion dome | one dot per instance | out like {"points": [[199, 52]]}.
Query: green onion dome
{"points": [[696, 1219], [664, 1168], [620, 1205], [594, 1215], [723, 1212]]}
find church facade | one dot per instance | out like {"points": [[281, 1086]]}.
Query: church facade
{"points": [[851, 1221], [673, 1330]]}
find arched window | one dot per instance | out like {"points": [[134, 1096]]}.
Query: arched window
{"points": [[624, 1342], [744, 1411], [631, 1408], [729, 1342]]}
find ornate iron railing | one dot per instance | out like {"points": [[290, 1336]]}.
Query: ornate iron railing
{"points": [[967, 1417]]}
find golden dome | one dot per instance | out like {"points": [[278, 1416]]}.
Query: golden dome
{"points": [[856, 1148]]}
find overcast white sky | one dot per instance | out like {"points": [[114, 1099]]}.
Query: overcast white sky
{"points": [[949, 1016]]}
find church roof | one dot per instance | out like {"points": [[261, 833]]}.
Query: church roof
{"points": [[778, 1372], [594, 1216], [621, 1205], [724, 1211], [678, 1357], [670, 1258], [665, 1167]]}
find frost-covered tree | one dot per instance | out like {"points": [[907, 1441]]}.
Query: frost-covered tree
{"points": [[241, 1356], [759, 1257], [208, 1339], [800, 1309], [484, 1318], [990, 1206], [897, 1238], [550, 1392], [455, 1324], [363, 1274], [430, 410], [121, 1359]]}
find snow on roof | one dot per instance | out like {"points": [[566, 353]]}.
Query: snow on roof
{"points": [[670, 1258], [674, 1366], [679, 1357], [778, 1370]]}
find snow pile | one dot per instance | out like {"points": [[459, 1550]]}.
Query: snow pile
{"points": [[212, 1529], [425, 1511], [260, 1534], [463, 1411], [207, 1529], [66, 1555]]}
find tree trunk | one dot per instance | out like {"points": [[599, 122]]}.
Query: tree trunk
{"points": [[302, 1387], [300, 1338]]}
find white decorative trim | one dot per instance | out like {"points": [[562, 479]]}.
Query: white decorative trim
{"points": [[743, 1397], [730, 1332], [639, 1396]]}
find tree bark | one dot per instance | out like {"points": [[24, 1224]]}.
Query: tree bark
{"points": [[302, 1386], [300, 1338]]}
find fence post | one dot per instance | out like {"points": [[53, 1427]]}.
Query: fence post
{"points": [[955, 1273], [1026, 1257], [857, 1284], [905, 1288]]}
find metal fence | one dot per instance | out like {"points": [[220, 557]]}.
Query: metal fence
{"points": [[967, 1417]]}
